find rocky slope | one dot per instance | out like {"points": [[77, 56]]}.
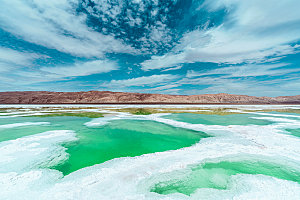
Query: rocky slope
{"points": [[101, 97]]}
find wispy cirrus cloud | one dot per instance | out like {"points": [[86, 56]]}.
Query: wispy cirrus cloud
{"points": [[153, 80], [19, 73], [56, 25], [243, 79], [246, 86], [12, 59], [173, 68], [248, 70], [81, 69], [253, 32]]}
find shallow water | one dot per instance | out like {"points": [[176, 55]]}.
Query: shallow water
{"points": [[217, 176], [294, 132], [176, 156], [225, 120], [55, 123]]}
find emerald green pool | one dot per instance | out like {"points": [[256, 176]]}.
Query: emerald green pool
{"points": [[217, 176], [120, 138]]}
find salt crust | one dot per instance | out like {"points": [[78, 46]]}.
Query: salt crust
{"points": [[129, 178], [5, 126]]}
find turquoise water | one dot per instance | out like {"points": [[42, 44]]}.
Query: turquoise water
{"points": [[294, 132], [225, 120], [56, 123]]}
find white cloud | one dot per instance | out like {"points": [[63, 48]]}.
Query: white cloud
{"points": [[252, 31], [173, 68], [81, 69], [250, 70], [214, 85], [12, 79], [163, 88], [165, 61], [55, 24], [247, 86], [243, 80], [153, 32], [10, 58], [141, 81], [4, 67]]}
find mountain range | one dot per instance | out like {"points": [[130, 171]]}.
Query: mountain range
{"points": [[107, 97]]}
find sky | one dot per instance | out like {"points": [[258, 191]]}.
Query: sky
{"points": [[184, 47]]}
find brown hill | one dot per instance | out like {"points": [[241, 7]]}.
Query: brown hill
{"points": [[106, 97]]}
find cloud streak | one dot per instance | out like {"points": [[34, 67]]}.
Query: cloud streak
{"points": [[81, 69], [250, 70], [153, 80], [11, 59]]}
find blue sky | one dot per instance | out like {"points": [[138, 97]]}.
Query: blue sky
{"points": [[154, 46]]}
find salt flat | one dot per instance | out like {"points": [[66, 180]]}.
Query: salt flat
{"points": [[149, 152]]}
